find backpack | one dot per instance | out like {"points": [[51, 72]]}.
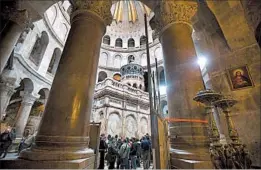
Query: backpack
{"points": [[145, 145]]}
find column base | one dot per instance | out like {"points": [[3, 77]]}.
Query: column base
{"points": [[193, 159], [16, 163]]}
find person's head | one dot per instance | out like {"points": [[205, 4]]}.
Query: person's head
{"points": [[143, 138], [109, 137], [124, 141], [238, 73], [116, 136], [147, 137]]}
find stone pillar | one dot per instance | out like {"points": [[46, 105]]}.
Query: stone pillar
{"points": [[64, 130], [6, 91], [184, 80], [19, 20], [28, 100]]}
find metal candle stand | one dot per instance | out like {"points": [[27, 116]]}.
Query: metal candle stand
{"points": [[233, 155]]}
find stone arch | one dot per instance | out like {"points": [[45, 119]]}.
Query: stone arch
{"points": [[52, 14], [118, 42], [28, 85], [114, 124], [39, 48], [131, 125], [53, 65], [102, 76], [131, 42], [142, 40], [106, 40], [103, 59], [117, 61]]}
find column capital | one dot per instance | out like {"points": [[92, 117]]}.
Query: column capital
{"points": [[101, 8], [20, 17], [29, 98], [170, 12]]}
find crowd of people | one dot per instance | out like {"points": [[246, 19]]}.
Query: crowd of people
{"points": [[127, 153]]}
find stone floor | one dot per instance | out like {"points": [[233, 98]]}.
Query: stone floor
{"points": [[15, 155]]}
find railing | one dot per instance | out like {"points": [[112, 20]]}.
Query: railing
{"points": [[118, 86]]}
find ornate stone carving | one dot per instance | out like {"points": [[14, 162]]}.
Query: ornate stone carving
{"points": [[168, 12], [100, 8]]}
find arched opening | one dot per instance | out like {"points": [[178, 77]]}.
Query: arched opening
{"points": [[37, 111], [258, 34], [164, 108], [131, 42], [131, 59], [10, 116], [102, 76], [117, 61], [114, 124], [103, 59], [117, 77], [39, 48], [54, 61], [118, 42], [140, 86], [162, 78], [135, 85], [106, 40], [142, 40]]}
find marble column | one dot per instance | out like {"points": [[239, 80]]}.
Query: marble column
{"points": [[183, 78], [64, 130], [6, 91], [18, 22], [28, 100]]}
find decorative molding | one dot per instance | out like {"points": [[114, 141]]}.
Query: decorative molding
{"points": [[169, 12], [102, 9]]}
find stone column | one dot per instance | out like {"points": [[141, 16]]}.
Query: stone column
{"points": [[28, 100], [6, 91], [19, 20], [64, 130], [183, 79]]}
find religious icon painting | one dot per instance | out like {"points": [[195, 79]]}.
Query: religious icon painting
{"points": [[240, 78]]}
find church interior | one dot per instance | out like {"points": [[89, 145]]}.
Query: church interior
{"points": [[184, 72]]}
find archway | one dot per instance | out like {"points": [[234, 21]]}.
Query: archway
{"points": [[114, 124], [118, 42], [106, 40], [131, 42], [39, 48], [102, 76]]}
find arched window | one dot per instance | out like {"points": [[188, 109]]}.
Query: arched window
{"points": [[118, 42], [131, 59], [131, 42], [117, 61], [106, 40], [102, 76], [140, 86], [103, 59], [39, 48], [54, 61], [135, 85], [142, 40], [129, 84]]}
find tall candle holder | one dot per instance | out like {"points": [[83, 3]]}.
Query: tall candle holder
{"points": [[226, 103], [207, 97]]}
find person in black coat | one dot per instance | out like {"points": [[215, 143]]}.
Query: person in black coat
{"points": [[102, 149], [6, 139]]}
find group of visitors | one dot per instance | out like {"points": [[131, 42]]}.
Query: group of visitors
{"points": [[125, 153], [6, 139]]}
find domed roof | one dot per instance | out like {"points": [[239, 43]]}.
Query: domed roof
{"points": [[128, 17]]}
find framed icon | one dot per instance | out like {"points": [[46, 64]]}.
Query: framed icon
{"points": [[240, 78]]}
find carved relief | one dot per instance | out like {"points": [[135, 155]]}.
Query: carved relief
{"points": [[130, 127], [100, 8], [114, 124], [169, 12]]}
